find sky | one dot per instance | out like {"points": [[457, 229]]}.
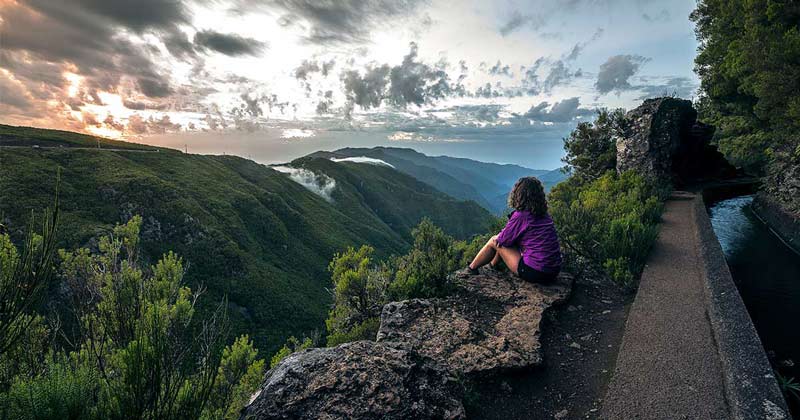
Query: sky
{"points": [[272, 80]]}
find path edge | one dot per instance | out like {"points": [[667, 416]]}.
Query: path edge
{"points": [[751, 387]]}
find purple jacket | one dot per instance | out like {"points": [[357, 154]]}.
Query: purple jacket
{"points": [[536, 239]]}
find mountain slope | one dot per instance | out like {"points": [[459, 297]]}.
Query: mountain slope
{"points": [[485, 183], [245, 230]]}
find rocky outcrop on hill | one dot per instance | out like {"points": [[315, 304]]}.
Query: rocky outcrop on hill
{"points": [[359, 380], [663, 139], [489, 324]]}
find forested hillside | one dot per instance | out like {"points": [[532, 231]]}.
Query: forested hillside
{"points": [[245, 230], [485, 183]]}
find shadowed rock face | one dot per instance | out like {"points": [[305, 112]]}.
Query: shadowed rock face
{"points": [[359, 380], [663, 139], [490, 324]]}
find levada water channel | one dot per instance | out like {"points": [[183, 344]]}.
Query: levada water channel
{"points": [[767, 274]]}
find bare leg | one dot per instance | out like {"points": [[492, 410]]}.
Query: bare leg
{"points": [[485, 255], [490, 253], [496, 260]]}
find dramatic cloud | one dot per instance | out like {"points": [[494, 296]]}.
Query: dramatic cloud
{"points": [[562, 111], [343, 21], [410, 83], [616, 72], [140, 125], [228, 44]]}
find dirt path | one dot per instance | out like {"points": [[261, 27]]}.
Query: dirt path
{"points": [[580, 341]]}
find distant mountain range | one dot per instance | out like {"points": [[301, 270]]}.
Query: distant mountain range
{"points": [[262, 236], [488, 184]]}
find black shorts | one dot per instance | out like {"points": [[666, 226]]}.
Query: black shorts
{"points": [[533, 275]]}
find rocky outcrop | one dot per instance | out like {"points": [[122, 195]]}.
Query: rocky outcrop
{"points": [[491, 323], [663, 139], [359, 380]]}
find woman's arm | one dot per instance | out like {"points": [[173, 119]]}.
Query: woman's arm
{"points": [[511, 232]]}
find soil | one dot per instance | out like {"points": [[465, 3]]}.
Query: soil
{"points": [[580, 340]]}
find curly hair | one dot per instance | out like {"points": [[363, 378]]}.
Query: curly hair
{"points": [[528, 195]]}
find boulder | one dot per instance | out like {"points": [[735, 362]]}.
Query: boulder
{"points": [[662, 139], [358, 380], [491, 323]]}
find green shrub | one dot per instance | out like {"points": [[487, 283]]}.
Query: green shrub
{"points": [[64, 390], [139, 351], [292, 345], [238, 377], [359, 292], [423, 271], [612, 221]]}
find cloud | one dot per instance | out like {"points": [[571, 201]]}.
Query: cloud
{"points": [[414, 82], [142, 105], [661, 16], [580, 46], [516, 21], [152, 125], [228, 44], [343, 21], [320, 184], [500, 69], [616, 72], [678, 86], [363, 159], [409, 83], [559, 75], [562, 111]]}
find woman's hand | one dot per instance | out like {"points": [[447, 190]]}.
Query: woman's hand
{"points": [[494, 241]]}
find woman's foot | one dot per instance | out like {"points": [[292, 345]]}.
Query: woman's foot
{"points": [[471, 271]]}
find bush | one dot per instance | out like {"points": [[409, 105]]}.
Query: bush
{"points": [[612, 221], [423, 271], [292, 345], [359, 292], [591, 147], [238, 377], [139, 351]]}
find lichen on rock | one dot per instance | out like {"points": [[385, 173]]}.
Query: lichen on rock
{"points": [[490, 324], [358, 380]]}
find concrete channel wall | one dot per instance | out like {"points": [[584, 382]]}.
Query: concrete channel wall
{"points": [[750, 385], [690, 350]]}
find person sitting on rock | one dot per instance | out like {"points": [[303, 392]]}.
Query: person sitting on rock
{"points": [[528, 244]]}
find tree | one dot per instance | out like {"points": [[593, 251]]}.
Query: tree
{"points": [[591, 147], [749, 68]]}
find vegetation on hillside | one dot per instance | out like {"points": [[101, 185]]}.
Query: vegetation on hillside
{"points": [[138, 349], [749, 68], [244, 230], [608, 219], [29, 137]]}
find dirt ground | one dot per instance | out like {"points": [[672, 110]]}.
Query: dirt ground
{"points": [[580, 340]]}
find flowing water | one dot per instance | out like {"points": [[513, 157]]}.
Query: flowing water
{"points": [[767, 274]]}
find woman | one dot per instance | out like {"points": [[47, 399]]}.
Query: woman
{"points": [[528, 244]]}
